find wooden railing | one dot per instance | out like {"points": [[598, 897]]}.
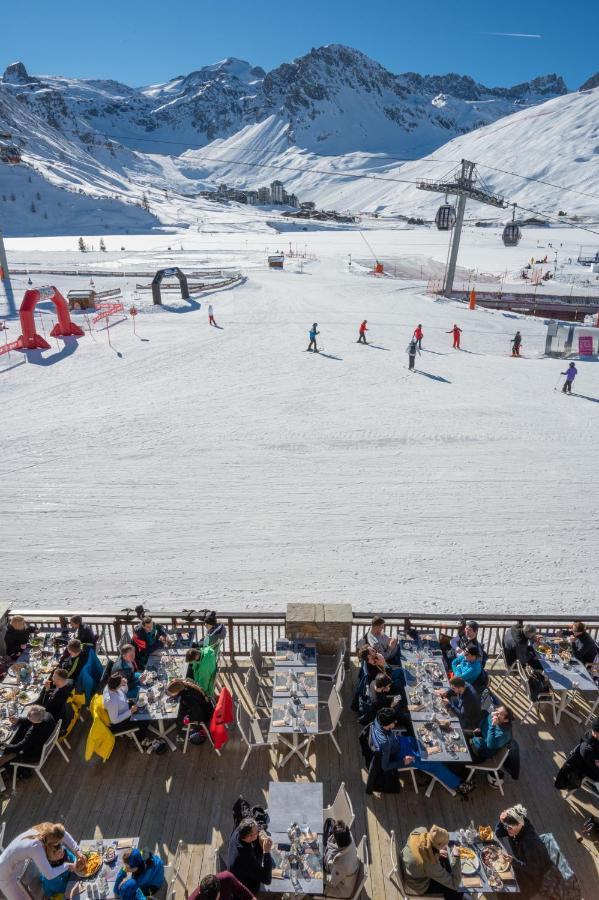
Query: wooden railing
{"points": [[266, 627]]}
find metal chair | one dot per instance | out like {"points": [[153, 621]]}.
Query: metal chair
{"points": [[199, 726], [255, 733], [341, 807], [328, 666], [2, 830], [47, 749], [325, 687], [255, 691], [547, 698], [363, 869], [491, 766], [431, 786], [132, 735], [258, 661], [172, 875], [397, 878], [329, 717]]}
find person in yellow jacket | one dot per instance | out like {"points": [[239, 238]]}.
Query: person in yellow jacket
{"points": [[100, 739]]}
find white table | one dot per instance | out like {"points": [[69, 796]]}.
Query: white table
{"points": [[89, 889], [565, 681]]}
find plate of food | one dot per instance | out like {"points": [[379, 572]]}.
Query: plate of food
{"points": [[496, 859], [469, 860], [25, 696], [89, 866], [485, 833]]}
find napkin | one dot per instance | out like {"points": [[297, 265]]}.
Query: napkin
{"points": [[415, 707], [472, 881], [124, 844]]}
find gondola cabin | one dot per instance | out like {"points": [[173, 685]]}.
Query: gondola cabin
{"points": [[511, 234], [445, 218]]}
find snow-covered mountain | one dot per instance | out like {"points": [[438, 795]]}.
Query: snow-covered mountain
{"points": [[333, 111]]}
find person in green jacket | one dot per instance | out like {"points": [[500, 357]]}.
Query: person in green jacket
{"points": [[202, 665], [429, 866]]}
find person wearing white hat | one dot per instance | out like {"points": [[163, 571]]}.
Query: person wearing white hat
{"points": [[530, 857]]}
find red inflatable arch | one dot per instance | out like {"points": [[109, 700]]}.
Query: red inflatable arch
{"points": [[30, 339]]}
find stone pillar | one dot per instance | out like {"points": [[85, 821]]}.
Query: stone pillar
{"points": [[326, 623]]}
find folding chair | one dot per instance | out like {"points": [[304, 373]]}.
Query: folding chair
{"points": [[329, 717], [326, 687], [491, 766], [258, 661], [2, 830], [547, 698], [341, 807], [47, 749], [397, 877], [255, 733], [132, 735], [172, 875], [328, 666], [199, 726], [255, 691], [362, 876]]}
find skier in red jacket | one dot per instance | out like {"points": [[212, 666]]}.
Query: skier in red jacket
{"points": [[363, 330], [418, 335], [456, 336]]}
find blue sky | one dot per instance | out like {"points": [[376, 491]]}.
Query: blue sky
{"points": [[140, 43]]}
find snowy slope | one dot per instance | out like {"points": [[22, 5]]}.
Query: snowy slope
{"points": [[190, 466]]}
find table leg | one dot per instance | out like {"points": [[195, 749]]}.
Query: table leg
{"points": [[295, 748], [562, 708], [163, 732]]}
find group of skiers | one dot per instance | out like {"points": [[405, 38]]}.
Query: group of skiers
{"points": [[415, 347]]}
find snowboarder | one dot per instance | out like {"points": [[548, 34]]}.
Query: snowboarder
{"points": [[570, 373], [412, 351], [456, 336], [313, 332], [363, 330], [516, 344], [211, 316], [419, 334]]}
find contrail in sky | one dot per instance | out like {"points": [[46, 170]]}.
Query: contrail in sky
{"points": [[512, 34]]}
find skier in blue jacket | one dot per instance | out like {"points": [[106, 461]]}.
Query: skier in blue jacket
{"points": [[313, 332], [570, 373]]}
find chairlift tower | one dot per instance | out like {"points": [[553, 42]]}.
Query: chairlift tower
{"points": [[463, 186], [5, 279]]}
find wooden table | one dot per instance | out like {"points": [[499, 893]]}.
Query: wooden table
{"points": [[300, 803], [89, 887]]}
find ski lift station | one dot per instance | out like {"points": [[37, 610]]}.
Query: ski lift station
{"points": [[571, 339]]}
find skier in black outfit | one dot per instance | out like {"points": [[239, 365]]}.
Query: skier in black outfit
{"points": [[516, 344], [412, 351]]}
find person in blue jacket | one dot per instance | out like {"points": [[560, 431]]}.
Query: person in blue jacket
{"points": [[399, 751], [313, 332], [147, 872], [495, 732], [570, 373], [468, 666]]}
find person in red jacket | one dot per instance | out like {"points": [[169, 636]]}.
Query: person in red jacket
{"points": [[418, 335], [223, 886], [363, 330], [456, 336]]}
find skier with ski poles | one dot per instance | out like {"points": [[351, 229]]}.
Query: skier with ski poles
{"points": [[419, 334], [516, 344], [313, 332], [211, 316], [412, 350], [570, 373], [456, 336], [362, 335]]}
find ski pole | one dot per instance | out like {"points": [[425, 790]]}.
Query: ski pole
{"points": [[559, 378]]}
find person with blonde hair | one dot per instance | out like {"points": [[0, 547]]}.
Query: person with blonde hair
{"points": [[430, 868], [16, 637], [39, 844]]}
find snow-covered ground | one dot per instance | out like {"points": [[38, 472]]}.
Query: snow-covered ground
{"points": [[187, 465]]}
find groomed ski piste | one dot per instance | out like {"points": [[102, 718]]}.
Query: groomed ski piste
{"points": [[187, 464]]}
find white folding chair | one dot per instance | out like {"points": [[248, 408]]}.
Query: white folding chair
{"points": [[47, 749], [341, 807], [325, 687], [431, 785], [328, 666], [255, 733], [329, 717], [2, 830], [258, 661], [547, 698], [396, 875], [132, 735], [491, 766], [255, 691], [198, 726]]}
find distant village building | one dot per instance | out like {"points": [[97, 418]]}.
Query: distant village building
{"points": [[275, 194]]}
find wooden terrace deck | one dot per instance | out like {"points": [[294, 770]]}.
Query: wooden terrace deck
{"points": [[173, 797]]}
